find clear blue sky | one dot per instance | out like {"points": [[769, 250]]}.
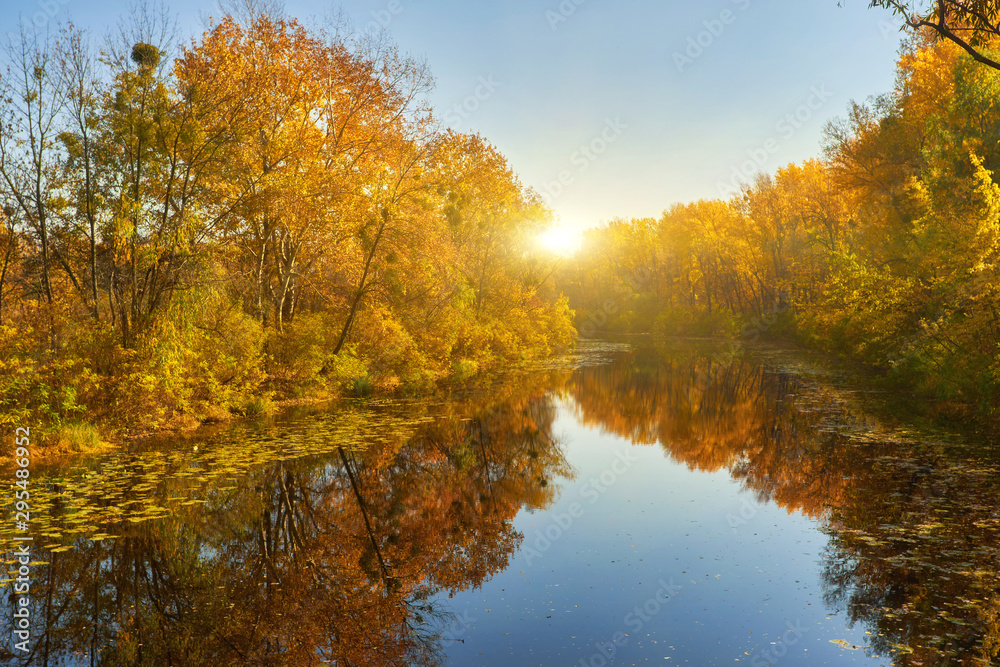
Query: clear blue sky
{"points": [[552, 76]]}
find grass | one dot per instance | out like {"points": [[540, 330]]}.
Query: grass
{"points": [[79, 437]]}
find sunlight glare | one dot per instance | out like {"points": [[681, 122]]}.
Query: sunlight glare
{"points": [[560, 240]]}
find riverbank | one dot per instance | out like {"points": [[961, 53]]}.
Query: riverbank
{"points": [[961, 404], [90, 395]]}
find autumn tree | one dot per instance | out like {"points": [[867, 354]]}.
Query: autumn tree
{"points": [[34, 98], [274, 209], [971, 24]]}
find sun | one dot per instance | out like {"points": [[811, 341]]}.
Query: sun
{"points": [[560, 240]]}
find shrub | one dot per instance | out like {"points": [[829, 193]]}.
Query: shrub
{"points": [[204, 355], [258, 406], [464, 368], [300, 355]]}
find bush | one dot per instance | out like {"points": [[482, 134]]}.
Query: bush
{"points": [[362, 386], [392, 356], [464, 368], [258, 406], [204, 355]]}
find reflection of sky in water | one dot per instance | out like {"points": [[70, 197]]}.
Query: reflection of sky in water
{"points": [[891, 525], [656, 526]]}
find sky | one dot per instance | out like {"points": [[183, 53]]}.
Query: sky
{"points": [[612, 109]]}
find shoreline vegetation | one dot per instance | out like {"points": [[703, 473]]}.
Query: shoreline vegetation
{"points": [[270, 214], [883, 252], [266, 213]]}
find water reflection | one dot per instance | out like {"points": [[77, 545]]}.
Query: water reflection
{"points": [[913, 517], [340, 555], [331, 558], [712, 409]]}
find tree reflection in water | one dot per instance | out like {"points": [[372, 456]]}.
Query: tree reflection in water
{"points": [[342, 558], [912, 516], [325, 560]]}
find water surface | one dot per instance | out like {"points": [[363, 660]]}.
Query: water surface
{"points": [[681, 503]]}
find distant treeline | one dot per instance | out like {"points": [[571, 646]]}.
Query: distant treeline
{"points": [[886, 249], [267, 211]]}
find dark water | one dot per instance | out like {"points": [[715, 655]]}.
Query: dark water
{"points": [[680, 504]]}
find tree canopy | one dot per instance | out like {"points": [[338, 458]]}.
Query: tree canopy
{"points": [[266, 211], [971, 24]]}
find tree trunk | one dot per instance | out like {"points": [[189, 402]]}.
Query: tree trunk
{"points": [[362, 284]]}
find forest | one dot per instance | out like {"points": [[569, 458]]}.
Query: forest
{"points": [[273, 213], [270, 212], [300, 373], [882, 250]]}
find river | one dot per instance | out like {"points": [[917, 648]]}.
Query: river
{"points": [[679, 503]]}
